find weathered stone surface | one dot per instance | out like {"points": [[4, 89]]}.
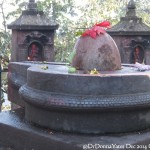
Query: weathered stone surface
{"points": [[100, 53], [84, 103], [17, 76], [17, 134]]}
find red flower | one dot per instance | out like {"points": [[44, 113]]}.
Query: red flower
{"points": [[92, 34], [97, 29], [86, 33], [105, 24]]}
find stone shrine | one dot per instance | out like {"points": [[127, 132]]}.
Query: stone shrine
{"points": [[32, 40], [132, 37], [33, 36]]}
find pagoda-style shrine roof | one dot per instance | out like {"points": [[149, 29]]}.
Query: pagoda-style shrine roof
{"points": [[130, 24], [33, 19]]}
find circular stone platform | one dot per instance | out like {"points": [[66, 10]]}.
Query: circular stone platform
{"points": [[110, 102]]}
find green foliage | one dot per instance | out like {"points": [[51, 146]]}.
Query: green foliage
{"points": [[72, 70], [5, 35], [62, 12], [71, 56], [143, 10]]}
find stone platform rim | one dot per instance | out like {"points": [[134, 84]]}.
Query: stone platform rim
{"points": [[83, 102]]}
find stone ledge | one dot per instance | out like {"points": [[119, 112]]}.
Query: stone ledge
{"points": [[20, 135]]}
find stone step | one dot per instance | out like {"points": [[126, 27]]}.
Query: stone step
{"points": [[17, 134]]}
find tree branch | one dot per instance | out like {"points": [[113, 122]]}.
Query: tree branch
{"points": [[3, 15]]}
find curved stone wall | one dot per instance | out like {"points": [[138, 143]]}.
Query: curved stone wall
{"points": [[111, 102]]}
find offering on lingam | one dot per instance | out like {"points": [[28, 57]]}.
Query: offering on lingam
{"points": [[96, 49]]}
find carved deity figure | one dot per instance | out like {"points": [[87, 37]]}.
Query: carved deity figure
{"points": [[138, 55], [34, 53]]}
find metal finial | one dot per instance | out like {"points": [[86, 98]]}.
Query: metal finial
{"points": [[131, 9], [131, 4], [32, 5], [31, 1]]}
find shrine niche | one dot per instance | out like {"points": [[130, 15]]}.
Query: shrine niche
{"points": [[35, 48], [132, 37], [35, 52], [138, 53]]}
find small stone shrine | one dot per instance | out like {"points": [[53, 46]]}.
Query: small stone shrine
{"points": [[132, 37], [33, 36]]}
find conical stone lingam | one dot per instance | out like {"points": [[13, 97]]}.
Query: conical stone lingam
{"points": [[100, 53]]}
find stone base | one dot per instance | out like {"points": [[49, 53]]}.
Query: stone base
{"points": [[17, 134], [5, 148]]}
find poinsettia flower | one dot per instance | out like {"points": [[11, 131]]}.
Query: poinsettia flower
{"points": [[98, 30], [92, 33], [105, 24], [86, 33]]}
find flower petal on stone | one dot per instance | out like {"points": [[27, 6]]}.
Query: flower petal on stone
{"points": [[99, 30], [105, 24], [86, 33]]}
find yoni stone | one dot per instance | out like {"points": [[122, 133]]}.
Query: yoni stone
{"points": [[100, 53]]}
